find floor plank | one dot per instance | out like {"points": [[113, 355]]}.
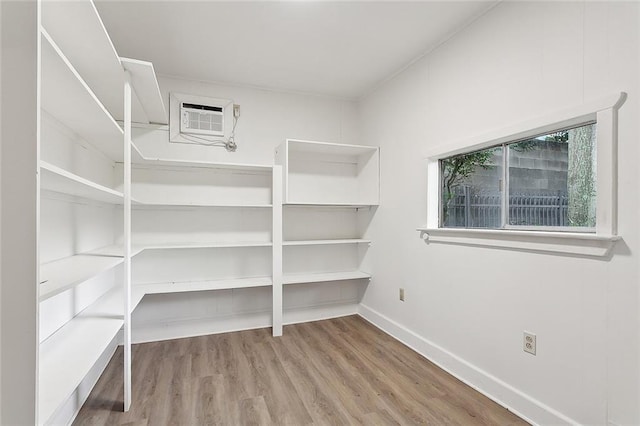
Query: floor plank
{"points": [[335, 372]]}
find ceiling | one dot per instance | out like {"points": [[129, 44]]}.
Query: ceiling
{"points": [[341, 49]]}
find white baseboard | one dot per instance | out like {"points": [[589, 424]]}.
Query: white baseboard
{"points": [[514, 400], [67, 412], [153, 332]]}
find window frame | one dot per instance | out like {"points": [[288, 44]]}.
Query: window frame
{"points": [[602, 111]]}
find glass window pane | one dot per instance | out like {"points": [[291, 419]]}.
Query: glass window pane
{"points": [[552, 179], [471, 190]]}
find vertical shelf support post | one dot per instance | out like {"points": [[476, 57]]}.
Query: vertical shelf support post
{"points": [[127, 242], [277, 249]]}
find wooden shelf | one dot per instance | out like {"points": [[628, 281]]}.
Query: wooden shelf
{"points": [[138, 159], [55, 179], [324, 277], [325, 242], [313, 147], [89, 49], [137, 247], [225, 284], [63, 274], [329, 174], [143, 79], [140, 205], [68, 355], [67, 98], [337, 205]]}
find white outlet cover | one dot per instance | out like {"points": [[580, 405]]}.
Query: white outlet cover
{"points": [[529, 343]]}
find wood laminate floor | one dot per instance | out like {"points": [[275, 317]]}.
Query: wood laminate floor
{"points": [[340, 372]]}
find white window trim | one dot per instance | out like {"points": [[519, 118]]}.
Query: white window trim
{"points": [[605, 112]]}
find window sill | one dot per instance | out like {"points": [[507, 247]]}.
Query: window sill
{"points": [[571, 243]]}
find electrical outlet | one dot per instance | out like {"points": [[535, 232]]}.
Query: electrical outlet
{"points": [[529, 343], [402, 294], [236, 110]]}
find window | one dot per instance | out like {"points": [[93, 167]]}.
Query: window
{"points": [[547, 181], [548, 184]]}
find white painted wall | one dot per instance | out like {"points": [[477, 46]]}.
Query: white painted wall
{"points": [[466, 307], [267, 119], [18, 133]]}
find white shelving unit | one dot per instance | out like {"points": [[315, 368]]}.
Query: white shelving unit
{"points": [[56, 179], [194, 220], [336, 187], [84, 285], [325, 242], [116, 225], [68, 355], [63, 274], [321, 173]]}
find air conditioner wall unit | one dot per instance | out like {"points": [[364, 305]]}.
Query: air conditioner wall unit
{"points": [[201, 119], [194, 118]]}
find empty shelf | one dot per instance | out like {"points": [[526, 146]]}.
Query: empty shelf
{"points": [[325, 242], [89, 49], [138, 158], [193, 245], [67, 98], [60, 275], [313, 147], [225, 284], [322, 277], [55, 179], [143, 79], [69, 354], [354, 205], [138, 204]]}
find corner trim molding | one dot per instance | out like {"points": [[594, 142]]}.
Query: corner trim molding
{"points": [[514, 400]]}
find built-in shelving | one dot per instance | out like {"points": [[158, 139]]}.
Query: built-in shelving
{"points": [[138, 158], [96, 59], [222, 284], [142, 205], [143, 78], [68, 355], [138, 247], [333, 186], [324, 277], [321, 173], [67, 98], [325, 242], [63, 274], [55, 179]]}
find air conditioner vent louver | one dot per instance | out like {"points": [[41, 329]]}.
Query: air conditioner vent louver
{"points": [[201, 119]]}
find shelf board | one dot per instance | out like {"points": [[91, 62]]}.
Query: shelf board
{"points": [[137, 248], [63, 274], [138, 159], [338, 205], [313, 147], [224, 284], [68, 355], [67, 97], [325, 242], [143, 79], [54, 178], [138, 204], [193, 245], [323, 277], [88, 47]]}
